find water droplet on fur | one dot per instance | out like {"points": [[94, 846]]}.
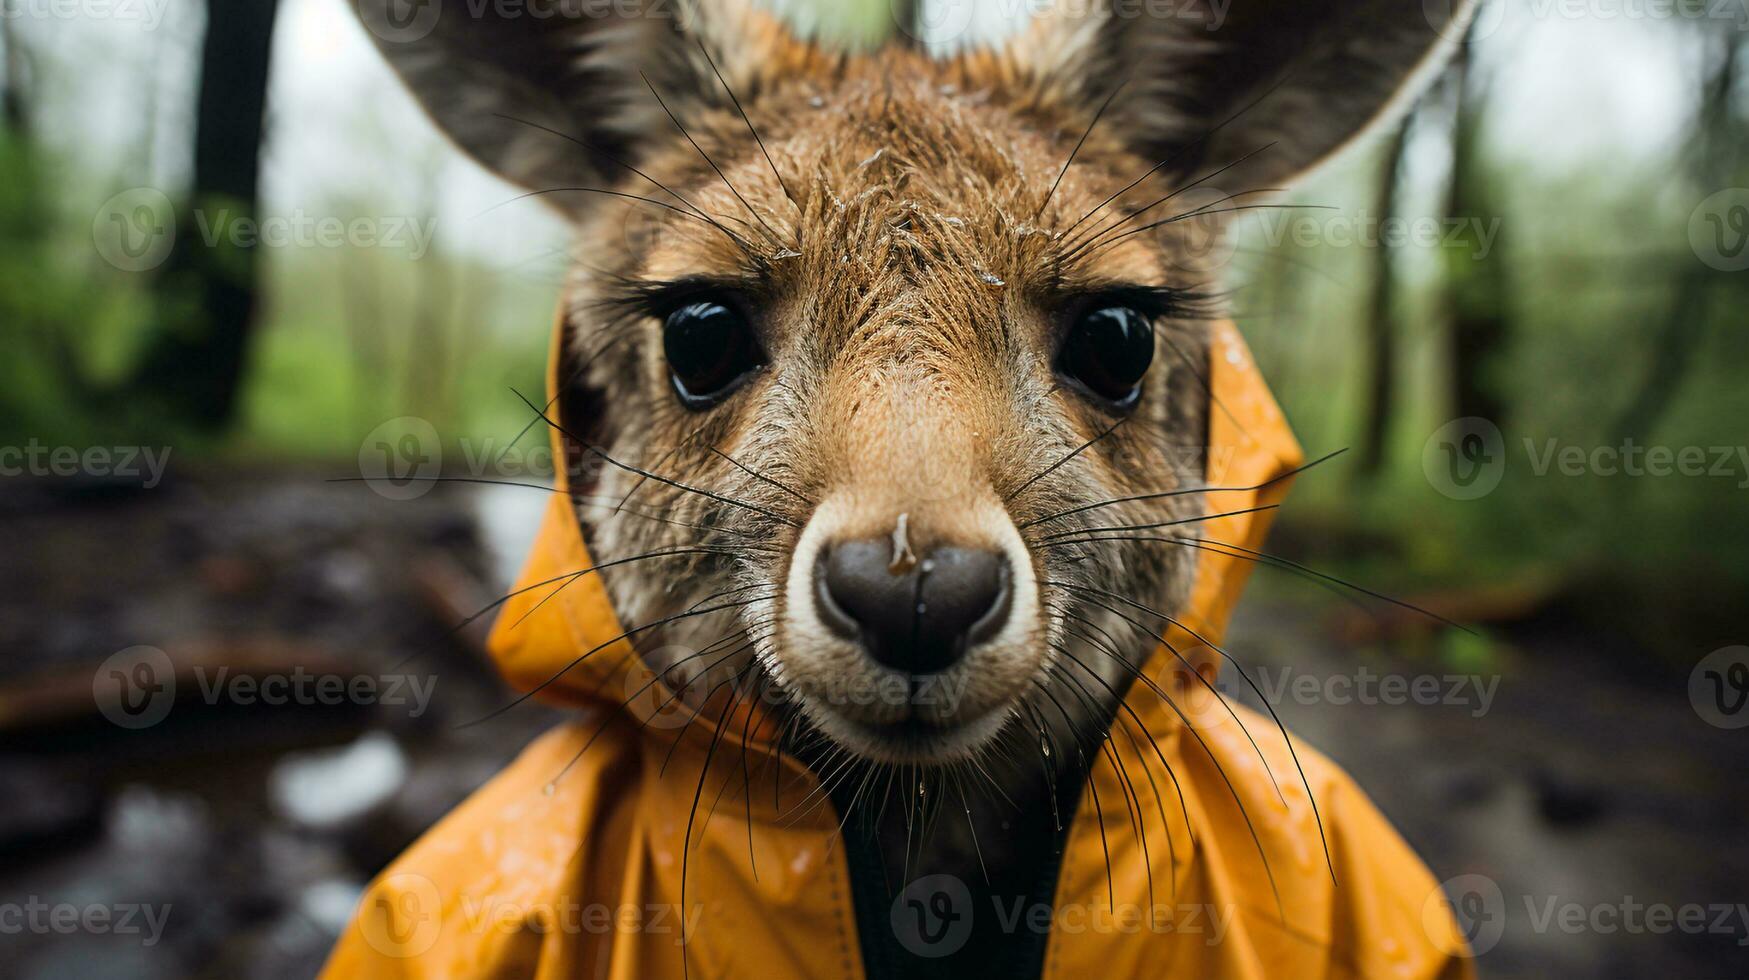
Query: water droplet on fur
{"points": [[992, 280], [817, 101], [788, 253], [1044, 745]]}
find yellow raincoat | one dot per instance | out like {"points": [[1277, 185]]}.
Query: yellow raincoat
{"points": [[545, 875]]}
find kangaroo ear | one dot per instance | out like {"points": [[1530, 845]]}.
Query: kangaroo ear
{"points": [[550, 95], [1205, 82]]}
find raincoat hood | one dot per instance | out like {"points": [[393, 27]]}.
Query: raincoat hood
{"points": [[570, 862]]}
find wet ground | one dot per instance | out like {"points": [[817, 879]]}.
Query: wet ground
{"points": [[232, 835]]}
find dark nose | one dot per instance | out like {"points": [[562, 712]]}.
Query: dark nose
{"points": [[915, 616]]}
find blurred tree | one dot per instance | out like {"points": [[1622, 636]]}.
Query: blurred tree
{"points": [[13, 82], [207, 293], [1711, 159], [1381, 348], [1476, 287]]}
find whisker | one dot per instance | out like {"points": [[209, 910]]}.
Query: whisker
{"points": [[1098, 811], [1076, 151], [1137, 823], [1152, 636], [1199, 519], [1047, 471], [597, 450], [1205, 211], [738, 240], [1182, 492], [1280, 727], [1077, 247], [664, 621], [761, 476], [707, 157], [735, 99], [1185, 149], [1232, 790]]}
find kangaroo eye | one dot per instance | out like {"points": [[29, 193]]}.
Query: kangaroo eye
{"points": [[1107, 352], [711, 351]]}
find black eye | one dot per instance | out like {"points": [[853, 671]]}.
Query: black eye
{"points": [[1107, 352], [711, 350]]}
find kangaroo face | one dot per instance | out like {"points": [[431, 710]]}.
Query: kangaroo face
{"points": [[877, 376], [894, 362]]}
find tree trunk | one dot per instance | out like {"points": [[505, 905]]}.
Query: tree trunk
{"points": [[1381, 348], [16, 77], [207, 293], [1712, 154], [1475, 284]]}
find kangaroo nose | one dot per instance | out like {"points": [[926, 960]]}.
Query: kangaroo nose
{"points": [[915, 616]]}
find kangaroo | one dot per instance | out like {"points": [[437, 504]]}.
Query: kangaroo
{"points": [[885, 377]]}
